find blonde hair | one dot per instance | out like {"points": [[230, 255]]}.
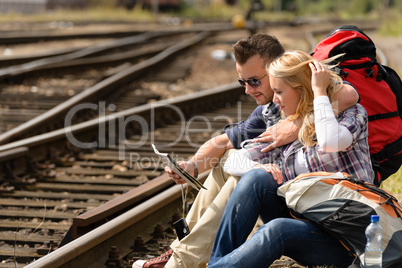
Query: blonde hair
{"points": [[293, 67]]}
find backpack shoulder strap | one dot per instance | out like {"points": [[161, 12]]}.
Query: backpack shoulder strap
{"points": [[395, 83]]}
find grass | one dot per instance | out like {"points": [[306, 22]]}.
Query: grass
{"points": [[91, 14], [394, 185], [110, 13], [392, 26]]}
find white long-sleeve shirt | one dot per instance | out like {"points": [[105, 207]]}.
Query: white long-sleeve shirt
{"points": [[331, 137]]}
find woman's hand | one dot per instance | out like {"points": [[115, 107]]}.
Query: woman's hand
{"points": [[319, 78], [186, 165], [273, 169]]}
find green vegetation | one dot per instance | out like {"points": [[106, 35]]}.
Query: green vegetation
{"points": [[96, 13], [392, 25], [394, 185]]}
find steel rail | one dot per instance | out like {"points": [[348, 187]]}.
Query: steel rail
{"points": [[37, 36], [71, 251], [79, 62], [15, 60], [106, 59], [100, 88], [225, 92], [29, 37], [118, 205], [48, 60], [85, 52]]}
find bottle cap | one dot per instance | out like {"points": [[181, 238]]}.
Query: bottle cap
{"points": [[375, 218]]}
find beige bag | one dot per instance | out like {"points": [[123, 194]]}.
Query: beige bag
{"points": [[343, 206]]}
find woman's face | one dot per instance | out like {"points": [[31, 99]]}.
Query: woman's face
{"points": [[284, 95]]}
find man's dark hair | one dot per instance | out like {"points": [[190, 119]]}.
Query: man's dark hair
{"points": [[266, 46]]}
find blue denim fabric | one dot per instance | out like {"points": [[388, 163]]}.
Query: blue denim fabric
{"points": [[255, 195]]}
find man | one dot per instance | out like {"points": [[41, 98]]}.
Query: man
{"points": [[252, 55]]}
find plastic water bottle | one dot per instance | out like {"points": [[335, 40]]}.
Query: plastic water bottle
{"points": [[373, 251]]}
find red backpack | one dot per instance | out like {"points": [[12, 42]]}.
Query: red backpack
{"points": [[380, 90]]}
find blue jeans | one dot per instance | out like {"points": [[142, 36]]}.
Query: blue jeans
{"points": [[255, 195]]}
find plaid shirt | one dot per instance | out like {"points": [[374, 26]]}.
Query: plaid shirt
{"points": [[271, 114], [262, 117], [355, 160]]}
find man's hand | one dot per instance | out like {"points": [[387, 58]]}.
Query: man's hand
{"points": [[186, 165], [282, 133]]}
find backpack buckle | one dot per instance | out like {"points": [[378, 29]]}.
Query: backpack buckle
{"points": [[339, 71], [369, 72]]}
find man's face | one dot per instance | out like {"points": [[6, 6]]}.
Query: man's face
{"points": [[254, 68]]}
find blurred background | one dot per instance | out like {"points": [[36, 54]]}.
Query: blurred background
{"points": [[385, 12]]}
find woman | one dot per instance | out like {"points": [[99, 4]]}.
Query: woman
{"points": [[303, 89]]}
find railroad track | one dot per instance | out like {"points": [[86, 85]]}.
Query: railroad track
{"points": [[45, 186], [98, 73], [76, 183]]}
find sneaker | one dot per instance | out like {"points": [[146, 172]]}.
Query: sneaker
{"points": [[158, 262]]}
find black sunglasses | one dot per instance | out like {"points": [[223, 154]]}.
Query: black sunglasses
{"points": [[253, 82]]}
